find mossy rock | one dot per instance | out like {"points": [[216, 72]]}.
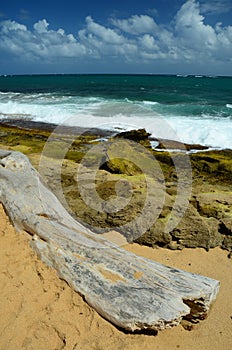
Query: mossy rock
{"points": [[130, 158], [215, 166], [22, 148], [215, 204], [121, 166], [139, 136]]}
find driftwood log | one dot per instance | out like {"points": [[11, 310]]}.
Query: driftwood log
{"points": [[130, 291]]}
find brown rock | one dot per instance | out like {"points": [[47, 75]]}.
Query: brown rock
{"points": [[215, 204], [196, 231], [226, 226]]}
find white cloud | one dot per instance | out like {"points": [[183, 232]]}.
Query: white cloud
{"points": [[105, 34], [136, 24], [41, 26], [223, 50], [148, 43], [12, 26], [190, 28], [200, 41], [39, 43], [138, 39], [102, 41], [216, 7]]}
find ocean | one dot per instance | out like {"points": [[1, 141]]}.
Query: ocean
{"points": [[190, 109]]}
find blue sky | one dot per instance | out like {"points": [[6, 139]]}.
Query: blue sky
{"points": [[139, 36]]}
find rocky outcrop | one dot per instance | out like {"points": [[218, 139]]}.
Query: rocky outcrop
{"points": [[192, 231], [217, 204], [207, 221], [140, 136]]}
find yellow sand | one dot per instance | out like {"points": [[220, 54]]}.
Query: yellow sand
{"points": [[38, 311]]}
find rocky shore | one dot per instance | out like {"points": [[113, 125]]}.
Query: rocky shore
{"points": [[206, 221], [40, 311]]}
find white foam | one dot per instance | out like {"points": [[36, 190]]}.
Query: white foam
{"points": [[150, 103], [118, 116], [210, 132]]}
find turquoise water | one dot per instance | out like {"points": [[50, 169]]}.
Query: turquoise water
{"points": [[197, 109]]}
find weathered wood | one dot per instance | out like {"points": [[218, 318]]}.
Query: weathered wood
{"points": [[130, 291]]}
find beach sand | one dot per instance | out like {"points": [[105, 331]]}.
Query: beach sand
{"points": [[41, 312]]}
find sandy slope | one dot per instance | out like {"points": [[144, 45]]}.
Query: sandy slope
{"points": [[40, 312]]}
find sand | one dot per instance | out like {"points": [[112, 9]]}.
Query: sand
{"points": [[41, 312]]}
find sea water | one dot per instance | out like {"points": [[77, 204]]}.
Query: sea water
{"points": [[191, 109]]}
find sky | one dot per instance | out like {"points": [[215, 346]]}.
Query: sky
{"points": [[116, 36]]}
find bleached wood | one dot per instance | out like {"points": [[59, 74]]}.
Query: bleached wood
{"points": [[130, 291]]}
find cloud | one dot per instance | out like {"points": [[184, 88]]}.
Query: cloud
{"points": [[199, 40], [191, 30], [149, 43], [153, 11], [24, 14], [100, 41], [41, 26], [137, 39], [117, 43], [216, 7], [136, 24], [17, 40], [107, 35]]}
